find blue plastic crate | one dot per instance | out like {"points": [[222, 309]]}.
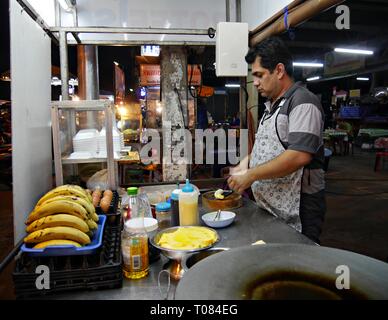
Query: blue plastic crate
{"points": [[350, 112], [69, 250]]}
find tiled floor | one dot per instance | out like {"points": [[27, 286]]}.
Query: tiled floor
{"points": [[357, 205]]}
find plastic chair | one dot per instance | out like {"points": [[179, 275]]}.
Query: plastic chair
{"points": [[379, 155]]}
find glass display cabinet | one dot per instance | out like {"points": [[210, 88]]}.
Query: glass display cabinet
{"points": [[85, 141]]}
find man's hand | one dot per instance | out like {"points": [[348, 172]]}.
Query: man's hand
{"points": [[240, 181]]}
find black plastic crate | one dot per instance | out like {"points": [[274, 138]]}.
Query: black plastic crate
{"points": [[102, 270]]}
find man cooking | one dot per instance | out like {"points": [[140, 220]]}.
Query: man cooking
{"points": [[286, 164]]}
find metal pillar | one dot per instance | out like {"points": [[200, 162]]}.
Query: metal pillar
{"points": [[227, 14], [243, 91], [238, 10], [64, 65], [88, 85]]}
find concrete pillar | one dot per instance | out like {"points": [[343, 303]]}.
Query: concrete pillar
{"points": [[174, 100]]}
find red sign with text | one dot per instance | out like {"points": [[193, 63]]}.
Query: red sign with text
{"points": [[150, 75]]}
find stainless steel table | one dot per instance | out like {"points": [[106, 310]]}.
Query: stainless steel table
{"points": [[251, 224]]}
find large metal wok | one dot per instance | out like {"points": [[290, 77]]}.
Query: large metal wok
{"points": [[285, 271]]}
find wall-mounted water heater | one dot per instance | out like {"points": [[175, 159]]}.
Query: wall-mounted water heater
{"points": [[231, 48]]}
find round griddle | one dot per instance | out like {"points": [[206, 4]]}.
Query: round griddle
{"points": [[285, 271]]}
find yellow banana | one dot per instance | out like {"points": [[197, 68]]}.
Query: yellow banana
{"points": [[86, 204], [91, 224], [79, 188], [58, 233], [60, 206], [58, 220], [64, 191], [90, 233], [89, 194], [94, 217], [54, 243]]}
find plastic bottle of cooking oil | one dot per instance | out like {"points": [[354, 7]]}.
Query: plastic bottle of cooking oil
{"points": [[188, 206], [134, 247]]}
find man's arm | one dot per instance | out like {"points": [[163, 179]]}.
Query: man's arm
{"points": [[241, 167], [286, 163]]}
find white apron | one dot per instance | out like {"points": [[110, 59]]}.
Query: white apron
{"points": [[280, 196]]}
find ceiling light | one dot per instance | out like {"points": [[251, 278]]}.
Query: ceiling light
{"points": [[232, 85], [362, 79], [353, 51], [307, 64], [116, 63], [313, 78]]}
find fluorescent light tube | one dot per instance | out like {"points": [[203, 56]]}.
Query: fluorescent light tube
{"points": [[313, 78], [353, 51], [362, 79], [307, 64], [232, 85]]}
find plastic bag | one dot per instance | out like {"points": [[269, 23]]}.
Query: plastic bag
{"points": [[98, 180]]}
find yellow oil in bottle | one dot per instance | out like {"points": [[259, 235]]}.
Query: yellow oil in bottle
{"points": [[135, 256]]}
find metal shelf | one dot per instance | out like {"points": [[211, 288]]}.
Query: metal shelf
{"points": [[72, 107], [66, 160]]}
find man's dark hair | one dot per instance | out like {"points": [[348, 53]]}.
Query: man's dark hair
{"points": [[271, 51]]}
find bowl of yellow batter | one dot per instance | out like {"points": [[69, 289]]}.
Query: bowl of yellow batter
{"points": [[176, 242]]}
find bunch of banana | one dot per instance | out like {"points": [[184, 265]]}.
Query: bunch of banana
{"points": [[63, 216], [58, 233]]}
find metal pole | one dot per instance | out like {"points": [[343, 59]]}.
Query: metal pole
{"points": [[57, 14], [64, 65], [87, 57], [227, 14], [303, 12], [238, 10], [128, 43], [243, 90], [56, 146], [175, 31], [109, 146]]}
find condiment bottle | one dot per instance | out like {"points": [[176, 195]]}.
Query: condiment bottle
{"points": [[131, 208], [134, 248], [163, 215], [175, 207], [188, 206]]}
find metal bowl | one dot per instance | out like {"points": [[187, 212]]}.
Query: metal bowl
{"points": [[178, 254]]}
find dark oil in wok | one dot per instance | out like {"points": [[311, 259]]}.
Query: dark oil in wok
{"points": [[298, 286]]}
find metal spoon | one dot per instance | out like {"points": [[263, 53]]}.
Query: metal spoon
{"points": [[218, 215]]}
